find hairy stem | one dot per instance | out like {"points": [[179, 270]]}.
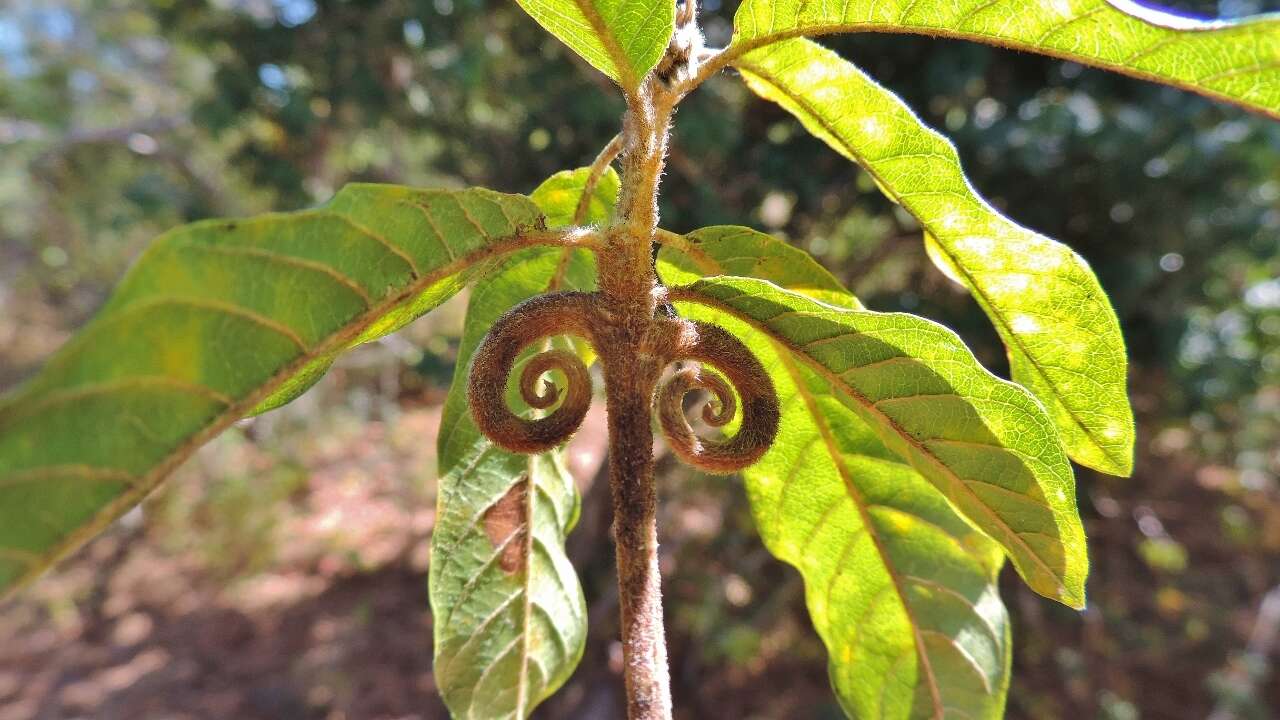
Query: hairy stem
{"points": [[633, 356], [635, 342], [629, 388], [625, 265]]}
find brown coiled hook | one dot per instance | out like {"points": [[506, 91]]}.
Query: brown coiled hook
{"points": [[715, 347], [544, 362], [522, 326]]}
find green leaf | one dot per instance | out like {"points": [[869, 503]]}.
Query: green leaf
{"points": [[877, 545], [985, 443], [1237, 61], [1062, 335], [214, 319], [623, 39], [510, 618], [900, 588], [741, 251], [559, 194]]}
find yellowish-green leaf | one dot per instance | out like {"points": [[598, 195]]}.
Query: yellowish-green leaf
{"points": [[900, 589], [741, 251], [1237, 61], [986, 444], [559, 194], [1062, 335], [623, 39], [214, 319], [510, 619]]}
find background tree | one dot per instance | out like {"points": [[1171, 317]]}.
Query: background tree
{"points": [[90, 179]]}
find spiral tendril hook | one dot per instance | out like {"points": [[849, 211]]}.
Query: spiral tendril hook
{"points": [[738, 375], [524, 325], [741, 370]]}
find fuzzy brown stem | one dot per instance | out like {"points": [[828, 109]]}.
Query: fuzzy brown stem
{"points": [[635, 342], [633, 357], [629, 383], [625, 263]]}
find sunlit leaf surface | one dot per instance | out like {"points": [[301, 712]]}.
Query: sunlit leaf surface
{"points": [[623, 39], [214, 319], [986, 444], [900, 588], [1062, 335], [1238, 61], [741, 251]]}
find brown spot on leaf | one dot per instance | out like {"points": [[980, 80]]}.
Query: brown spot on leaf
{"points": [[505, 524]]}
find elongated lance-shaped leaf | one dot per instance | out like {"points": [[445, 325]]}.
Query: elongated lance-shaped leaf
{"points": [[1237, 61], [212, 320], [510, 618], [985, 443], [623, 39], [1062, 335], [900, 588]]}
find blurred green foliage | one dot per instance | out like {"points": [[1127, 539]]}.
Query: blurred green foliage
{"points": [[119, 119]]}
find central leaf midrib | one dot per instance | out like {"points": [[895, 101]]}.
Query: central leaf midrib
{"points": [[621, 62], [859, 502], [526, 619]]}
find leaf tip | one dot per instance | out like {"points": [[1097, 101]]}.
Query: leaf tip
{"points": [[1116, 460], [1123, 468]]}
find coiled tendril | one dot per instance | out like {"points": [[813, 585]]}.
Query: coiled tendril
{"points": [[713, 346], [675, 339], [527, 323]]}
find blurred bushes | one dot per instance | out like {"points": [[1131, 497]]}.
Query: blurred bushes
{"points": [[120, 119]]}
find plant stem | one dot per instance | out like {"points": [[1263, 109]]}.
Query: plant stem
{"points": [[633, 360], [635, 508]]}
